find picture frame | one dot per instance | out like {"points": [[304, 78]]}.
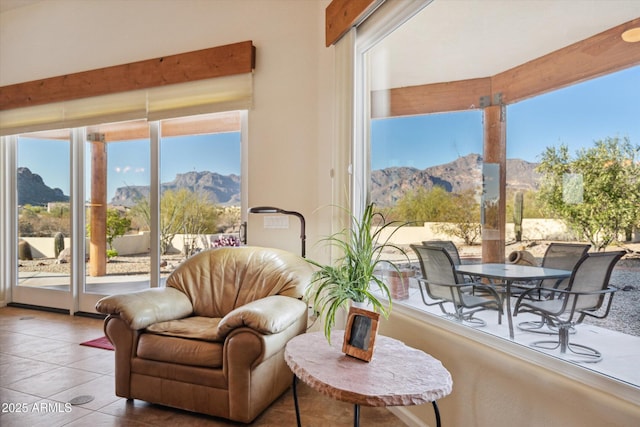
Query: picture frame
{"points": [[360, 333]]}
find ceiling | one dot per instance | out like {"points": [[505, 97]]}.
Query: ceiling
{"points": [[452, 40]]}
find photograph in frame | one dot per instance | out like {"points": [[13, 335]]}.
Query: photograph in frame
{"points": [[360, 333]]}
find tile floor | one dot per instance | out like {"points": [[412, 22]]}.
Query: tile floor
{"points": [[43, 367]]}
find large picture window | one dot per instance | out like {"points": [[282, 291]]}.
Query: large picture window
{"points": [[428, 132]]}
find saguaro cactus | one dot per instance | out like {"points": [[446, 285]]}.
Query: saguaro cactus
{"points": [[517, 215], [58, 243]]}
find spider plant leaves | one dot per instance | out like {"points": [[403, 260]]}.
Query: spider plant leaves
{"points": [[353, 276]]}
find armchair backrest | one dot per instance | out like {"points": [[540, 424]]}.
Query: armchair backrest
{"points": [[219, 280]]}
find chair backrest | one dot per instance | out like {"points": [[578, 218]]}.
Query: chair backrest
{"points": [[592, 273], [451, 248], [562, 256], [220, 280], [438, 269]]}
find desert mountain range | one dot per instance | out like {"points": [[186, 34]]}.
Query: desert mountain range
{"points": [[387, 185]]}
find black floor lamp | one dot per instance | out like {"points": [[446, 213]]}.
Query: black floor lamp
{"points": [[272, 210]]}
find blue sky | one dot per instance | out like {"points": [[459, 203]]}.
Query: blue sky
{"points": [[128, 161], [575, 116]]}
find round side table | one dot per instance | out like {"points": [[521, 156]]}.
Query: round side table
{"points": [[398, 375]]}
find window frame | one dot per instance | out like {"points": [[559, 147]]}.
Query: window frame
{"points": [[358, 42]]}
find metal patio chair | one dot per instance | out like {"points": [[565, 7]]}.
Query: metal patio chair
{"points": [[563, 256], [452, 250], [441, 285], [584, 296]]}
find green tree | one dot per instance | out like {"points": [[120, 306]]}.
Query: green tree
{"points": [[597, 192], [117, 225], [532, 207], [423, 205], [463, 220], [459, 212], [181, 212]]}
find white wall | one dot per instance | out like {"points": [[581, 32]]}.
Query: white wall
{"points": [[290, 122], [492, 387]]}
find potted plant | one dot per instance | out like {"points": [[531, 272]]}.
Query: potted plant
{"points": [[354, 276]]}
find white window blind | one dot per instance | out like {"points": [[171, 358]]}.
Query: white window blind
{"points": [[198, 97]]}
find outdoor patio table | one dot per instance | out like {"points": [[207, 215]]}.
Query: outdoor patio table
{"points": [[509, 273]]}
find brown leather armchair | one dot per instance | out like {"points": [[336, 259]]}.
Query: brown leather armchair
{"points": [[211, 341]]}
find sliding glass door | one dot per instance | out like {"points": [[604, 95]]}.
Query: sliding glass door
{"points": [[114, 208], [43, 182]]}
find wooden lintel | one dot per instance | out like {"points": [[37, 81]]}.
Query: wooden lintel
{"points": [[218, 61], [596, 56], [431, 98], [139, 129], [221, 122], [341, 15]]}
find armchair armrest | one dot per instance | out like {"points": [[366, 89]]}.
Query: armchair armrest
{"points": [[269, 315], [141, 309]]}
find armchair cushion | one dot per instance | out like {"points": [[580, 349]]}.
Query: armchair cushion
{"points": [[194, 327], [269, 315], [179, 351], [144, 308]]}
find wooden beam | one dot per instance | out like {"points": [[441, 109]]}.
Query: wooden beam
{"points": [[341, 15], [194, 125], [218, 123], [596, 56], [430, 98], [218, 61], [139, 129]]}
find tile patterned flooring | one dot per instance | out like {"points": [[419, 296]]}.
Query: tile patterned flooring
{"points": [[43, 367]]}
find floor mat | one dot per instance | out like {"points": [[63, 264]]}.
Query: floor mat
{"points": [[102, 342]]}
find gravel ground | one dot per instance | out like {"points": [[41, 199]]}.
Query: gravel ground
{"points": [[118, 266], [625, 310]]}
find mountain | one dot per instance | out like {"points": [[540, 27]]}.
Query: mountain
{"points": [[387, 185], [390, 184], [33, 191], [220, 189]]}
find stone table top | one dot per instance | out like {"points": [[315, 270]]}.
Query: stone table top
{"points": [[398, 375]]}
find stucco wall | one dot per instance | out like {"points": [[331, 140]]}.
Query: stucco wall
{"points": [[290, 122], [493, 388]]}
